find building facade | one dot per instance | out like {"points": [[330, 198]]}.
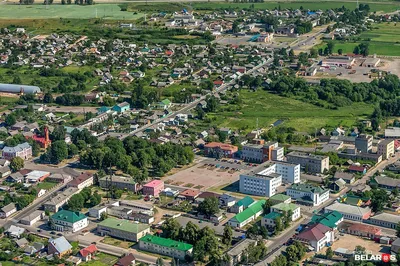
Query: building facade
{"points": [[119, 182], [65, 220], [386, 148], [153, 188], [364, 143], [23, 151], [165, 246], [310, 163], [308, 194], [122, 229], [259, 153], [219, 150]]}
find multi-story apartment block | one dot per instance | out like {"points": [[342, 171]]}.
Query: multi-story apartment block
{"points": [[310, 162], [386, 148], [119, 182], [266, 178], [262, 152], [364, 143]]}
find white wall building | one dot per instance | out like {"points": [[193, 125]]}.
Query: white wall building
{"points": [[65, 220], [308, 194]]}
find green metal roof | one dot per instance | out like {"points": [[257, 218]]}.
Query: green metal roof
{"points": [[124, 225], [246, 201], [166, 242], [279, 197], [272, 215], [68, 216], [250, 211], [285, 207], [166, 102], [308, 188], [327, 219]]}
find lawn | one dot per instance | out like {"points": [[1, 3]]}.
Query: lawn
{"points": [[383, 40], [106, 11], [267, 108], [208, 6], [117, 242], [101, 259], [46, 185]]}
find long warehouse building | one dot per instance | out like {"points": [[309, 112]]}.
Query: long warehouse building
{"points": [[17, 88]]}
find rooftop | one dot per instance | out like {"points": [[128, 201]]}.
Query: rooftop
{"points": [[307, 188], [123, 225], [250, 211], [346, 208], [285, 207], [306, 155], [272, 215], [386, 217], [328, 219], [240, 247], [280, 197], [166, 242], [246, 201], [68, 216], [154, 183]]}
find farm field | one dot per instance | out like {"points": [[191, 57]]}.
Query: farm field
{"points": [[383, 40], [106, 11], [268, 108], [168, 7]]}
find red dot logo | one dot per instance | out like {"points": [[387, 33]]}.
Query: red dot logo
{"points": [[385, 257]]}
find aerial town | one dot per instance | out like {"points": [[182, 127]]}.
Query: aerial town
{"points": [[202, 133]]}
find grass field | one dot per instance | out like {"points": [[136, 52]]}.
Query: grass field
{"points": [[46, 185], [268, 108], [168, 7], [383, 39], [106, 11]]}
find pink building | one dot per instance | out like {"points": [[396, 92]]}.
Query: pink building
{"points": [[153, 188]]}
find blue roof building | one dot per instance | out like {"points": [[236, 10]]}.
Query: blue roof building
{"points": [[122, 107]]}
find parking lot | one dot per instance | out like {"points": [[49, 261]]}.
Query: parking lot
{"points": [[208, 173]]}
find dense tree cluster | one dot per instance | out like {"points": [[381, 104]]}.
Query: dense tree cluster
{"points": [[294, 253], [206, 244], [134, 156], [70, 99], [337, 92], [84, 199]]}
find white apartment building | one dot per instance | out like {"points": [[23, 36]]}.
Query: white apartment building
{"points": [[308, 194], [259, 153], [266, 178], [260, 183]]}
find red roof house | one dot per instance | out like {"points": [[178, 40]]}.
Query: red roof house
{"points": [[88, 253], [357, 169], [190, 194], [218, 83], [128, 260]]}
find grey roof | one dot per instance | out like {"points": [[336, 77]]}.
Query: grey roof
{"points": [[387, 181], [240, 247], [21, 242], [18, 148], [16, 88], [343, 175], [32, 215], [386, 217], [8, 207], [347, 209], [60, 244]]}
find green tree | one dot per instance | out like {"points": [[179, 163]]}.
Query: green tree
{"points": [[160, 262], [329, 253], [16, 164], [58, 133], [278, 224], [11, 120], [227, 235], [103, 216], [72, 150], [171, 229], [17, 80], [340, 51], [76, 202], [58, 151], [209, 206]]}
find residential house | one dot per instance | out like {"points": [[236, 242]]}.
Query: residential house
{"points": [[226, 200], [59, 247], [387, 182], [32, 218], [357, 169], [82, 181], [347, 177], [190, 194], [8, 210], [236, 252], [88, 253], [127, 260]]}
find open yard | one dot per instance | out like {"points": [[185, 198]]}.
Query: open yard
{"points": [[350, 242], [203, 177], [46, 185], [268, 108], [101, 259], [40, 11], [383, 40], [117, 242]]}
